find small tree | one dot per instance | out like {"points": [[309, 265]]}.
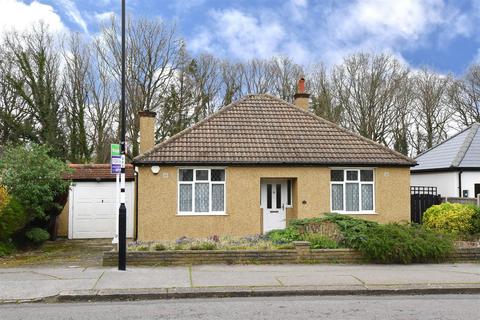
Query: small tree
{"points": [[34, 178]]}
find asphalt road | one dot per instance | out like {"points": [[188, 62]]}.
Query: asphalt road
{"points": [[455, 307]]}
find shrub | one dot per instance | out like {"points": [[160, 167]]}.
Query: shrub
{"points": [[318, 241], [6, 248], [143, 248], [13, 218], [323, 226], [453, 218], [353, 230], [33, 178], [396, 243], [160, 247], [476, 221], [37, 235], [203, 246], [286, 235]]}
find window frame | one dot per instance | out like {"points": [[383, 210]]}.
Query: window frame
{"points": [[210, 212], [360, 183]]}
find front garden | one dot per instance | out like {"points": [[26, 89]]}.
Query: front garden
{"points": [[435, 241], [32, 189]]}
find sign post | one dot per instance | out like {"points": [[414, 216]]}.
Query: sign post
{"points": [[115, 168]]}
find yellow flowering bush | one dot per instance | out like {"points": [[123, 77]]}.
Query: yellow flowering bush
{"points": [[4, 198], [453, 218]]}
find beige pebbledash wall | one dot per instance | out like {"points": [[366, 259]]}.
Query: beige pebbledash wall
{"points": [[157, 196]]}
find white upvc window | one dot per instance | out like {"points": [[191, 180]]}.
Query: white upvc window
{"points": [[352, 191], [201, 191]]}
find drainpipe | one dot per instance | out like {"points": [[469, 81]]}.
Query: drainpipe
{"points": [[460, 183], [136, 203]]}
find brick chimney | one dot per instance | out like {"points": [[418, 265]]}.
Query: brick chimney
{"points": [[147, 130], [301, 99]]}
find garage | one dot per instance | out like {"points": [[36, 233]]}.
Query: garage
{"points": [[93, 203]]}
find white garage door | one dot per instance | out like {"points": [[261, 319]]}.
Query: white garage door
{"points": [[93, 211]]}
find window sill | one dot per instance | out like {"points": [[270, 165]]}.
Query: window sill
{"points": [[356, 212], [190, 214]]}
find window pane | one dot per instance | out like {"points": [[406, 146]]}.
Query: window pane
{"points": [[352, 175], [269, 196], [185, 174], [217, 197], [367, 197], [185, 197], [201, 175], [289, 192], [366, 175], [337, 197], [336, 175], [351, 196], [279, 195], [218, 175], [201, 197]]}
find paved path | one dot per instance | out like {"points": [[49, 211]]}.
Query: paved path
{"points": [[40, 282], [465, 307]]}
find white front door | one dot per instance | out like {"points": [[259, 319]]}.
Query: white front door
{"points": [[273, 203]]}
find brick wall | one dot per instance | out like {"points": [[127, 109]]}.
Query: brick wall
{"points": [[302, 254]]}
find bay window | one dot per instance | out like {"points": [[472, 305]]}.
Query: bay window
{"points": [[352, 190], [201, 191]]}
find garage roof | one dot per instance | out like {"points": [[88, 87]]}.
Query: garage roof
{"points": [[96, 172]]}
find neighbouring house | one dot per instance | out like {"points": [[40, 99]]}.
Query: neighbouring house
{"points": [[258, 163], [91, 210], [453, 166]]}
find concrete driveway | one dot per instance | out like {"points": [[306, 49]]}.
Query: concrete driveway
{"points": [[83, 253]]}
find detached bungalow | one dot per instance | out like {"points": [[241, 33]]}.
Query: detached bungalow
{"points": [[258, 163], [453, 166]]}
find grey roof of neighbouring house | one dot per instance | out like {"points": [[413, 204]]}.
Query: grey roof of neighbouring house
{"points": [[460, 151], [261, 129]]}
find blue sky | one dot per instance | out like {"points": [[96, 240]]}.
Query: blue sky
{"points": [[441, 34]]}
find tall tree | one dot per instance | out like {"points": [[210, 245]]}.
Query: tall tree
{"points": [[366, 86], [76, 97], [432, 110], [34, 76], [465, 96], [152, 58], [286, 74], [324, 103]]}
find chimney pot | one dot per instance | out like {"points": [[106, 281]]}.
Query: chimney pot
{"points": [[301, 99], [301, 86]]}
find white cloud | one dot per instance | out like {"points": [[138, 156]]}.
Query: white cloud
{"points": [[247, 36], [104, 16], [386, 19], [73, 13], [243, 36], [21, 16], [390, 26], [310, 31]]}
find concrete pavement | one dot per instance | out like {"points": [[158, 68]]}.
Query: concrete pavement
{"points": [[97, 283]]}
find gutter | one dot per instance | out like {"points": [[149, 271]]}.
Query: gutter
{"points": [[460, 183], [135, 237]]}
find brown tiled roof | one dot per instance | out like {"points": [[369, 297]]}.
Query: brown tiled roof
{"points": [[96, 172], [262, 129]]}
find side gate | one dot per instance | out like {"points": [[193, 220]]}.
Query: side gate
{"points": [[422, 198]]}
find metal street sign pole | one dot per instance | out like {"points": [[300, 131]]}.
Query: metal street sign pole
{"points": [[116, 168], [122, 212]]}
